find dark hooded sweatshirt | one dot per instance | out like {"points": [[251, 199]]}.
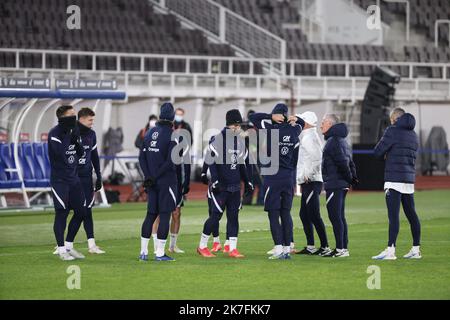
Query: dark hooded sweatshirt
{"points": [[338, 168], [399, 146]]}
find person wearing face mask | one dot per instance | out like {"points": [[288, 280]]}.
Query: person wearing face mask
{"points": [[280, 186], [139, 141], [226, 159], [65, 149], [179, 122], [86, 164]]}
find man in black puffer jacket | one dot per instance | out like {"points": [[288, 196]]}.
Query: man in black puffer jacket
{"points": [[398, 147], [339, 173]]}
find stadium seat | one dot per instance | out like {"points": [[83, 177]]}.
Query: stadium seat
{"points": [[27, 170], [36, 171], [8, 179], [41, 157]]}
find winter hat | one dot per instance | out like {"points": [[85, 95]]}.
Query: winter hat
{"points": [[233, 117], [167, 112], [309, 117], [280, 108]]}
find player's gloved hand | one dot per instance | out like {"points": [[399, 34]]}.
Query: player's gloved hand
{"points": [[98, 184], [149, 182], [204, 178], [249, 188], [185, 189], [216, 187], [355, 181]]}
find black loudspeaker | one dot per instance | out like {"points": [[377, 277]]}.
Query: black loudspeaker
{"points": [[380, 88], [374, 120], [369, 169], [385, 75], [379, 95]]}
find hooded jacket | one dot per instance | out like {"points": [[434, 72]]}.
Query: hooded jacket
{"points": [[399, 146], [309, 156], [338, 168]]}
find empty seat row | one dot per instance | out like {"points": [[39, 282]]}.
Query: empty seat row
{"points": [[34, 161]]}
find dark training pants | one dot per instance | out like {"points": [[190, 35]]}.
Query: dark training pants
{"points": [[278, 204], [310, 213], [65, 197], [215, 231], [229, 201], [336, 214], [393, 199], [88, 189]]}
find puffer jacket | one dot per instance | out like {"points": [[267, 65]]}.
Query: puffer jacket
{"points": [[399, 146], [338, 168]]}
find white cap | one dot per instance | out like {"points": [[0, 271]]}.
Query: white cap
{"points": [[309, 117]]}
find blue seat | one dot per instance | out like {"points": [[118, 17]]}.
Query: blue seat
{"points": [[41, 157], [27, 173], [37, 173], [8, 180]]}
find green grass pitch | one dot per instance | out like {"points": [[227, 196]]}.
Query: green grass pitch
{"points": [[28, 270]]}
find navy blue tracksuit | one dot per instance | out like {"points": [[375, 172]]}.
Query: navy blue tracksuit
{"points": [[66, 186], [215, 231], [90, 161], [226, 160], [338, 172], [156, 163], [398, 147], [279, 187]]}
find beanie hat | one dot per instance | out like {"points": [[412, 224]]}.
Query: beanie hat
{"points": [[280, 108], [167, 112], [233, 117]]}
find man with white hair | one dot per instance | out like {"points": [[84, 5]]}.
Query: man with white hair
{"points": [[339, 173], [309, 177]]}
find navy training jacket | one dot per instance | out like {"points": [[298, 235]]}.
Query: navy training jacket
{"points": [[338, 168], [399, 146]]}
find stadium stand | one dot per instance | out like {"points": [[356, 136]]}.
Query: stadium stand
{"points": [[33, 25], [143, 30]]}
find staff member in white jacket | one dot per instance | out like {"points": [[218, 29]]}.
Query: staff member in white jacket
{"points": [[309, 177]]}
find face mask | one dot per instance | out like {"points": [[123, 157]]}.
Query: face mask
{"points": [[152, 123], [68, 123], [178, 118]]}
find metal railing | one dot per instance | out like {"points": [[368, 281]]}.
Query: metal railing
{"points": [[210, 65], [229, 27]]}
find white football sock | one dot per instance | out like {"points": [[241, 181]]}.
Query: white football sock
{"points": [[416, 249], [391, 250], [227, 242], [217, 239], [144, 245], [62, 250], [310, 248], [203, 241], [91, 243], [155, 241], [286, 249], [69, 245], [233, 243], [292, 245], [173, 240], [160, 250], [277, 250]]}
